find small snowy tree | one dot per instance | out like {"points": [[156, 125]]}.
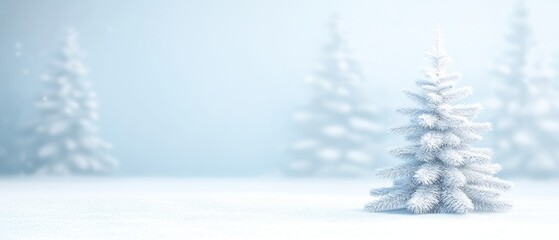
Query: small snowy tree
{"points": [[337, 128], [64, 140], [442, 172], [525, 109]]}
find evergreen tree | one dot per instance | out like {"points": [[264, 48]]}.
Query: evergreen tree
{"points": [[442, 172], [337, 128], [64, 140], [525, 110]]}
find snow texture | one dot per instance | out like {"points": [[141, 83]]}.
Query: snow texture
{"points": [[64, 140], [442, 172], [339, 133], [525, 108], [246, 209]]}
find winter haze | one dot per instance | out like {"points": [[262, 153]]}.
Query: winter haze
{"points": [[280, 119], [207, 88]]}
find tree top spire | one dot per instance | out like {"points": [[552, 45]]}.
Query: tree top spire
{"points": [[438, 53]]}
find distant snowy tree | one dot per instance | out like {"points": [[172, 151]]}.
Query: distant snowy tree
{"points": [[338, 130], [442, 172], [525, 109], [64, 140]]}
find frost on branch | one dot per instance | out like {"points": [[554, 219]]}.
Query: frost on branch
{"points": [[442, 172]]}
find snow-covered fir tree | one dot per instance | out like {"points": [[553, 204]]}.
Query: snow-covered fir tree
{"points": [[442, 172], [525, 109], [64, 138], [337, 128]]}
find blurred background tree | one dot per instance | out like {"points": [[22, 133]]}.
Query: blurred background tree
{"points": [[341, 131], [525, 109]]}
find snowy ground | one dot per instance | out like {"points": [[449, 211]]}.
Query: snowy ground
{"points": [[249, 209]]}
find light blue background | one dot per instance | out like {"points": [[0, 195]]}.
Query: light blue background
{"points": [[205, 88]]}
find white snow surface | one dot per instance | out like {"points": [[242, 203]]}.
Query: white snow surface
{"points": [[155, 208]]}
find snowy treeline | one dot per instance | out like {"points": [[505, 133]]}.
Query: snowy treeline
{"points": [[525, 108], [340, 131], [63, 139], [442, 172]]}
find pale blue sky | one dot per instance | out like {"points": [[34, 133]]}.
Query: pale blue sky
{"points": [[205, 87]]}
